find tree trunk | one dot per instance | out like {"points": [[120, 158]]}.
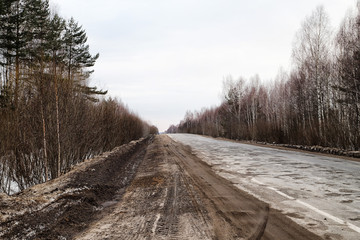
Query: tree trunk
{"points": [[44, 142], [57, 123]]}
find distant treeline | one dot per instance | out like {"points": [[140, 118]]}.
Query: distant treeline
{"points": [[317, 103], [50, 118]]}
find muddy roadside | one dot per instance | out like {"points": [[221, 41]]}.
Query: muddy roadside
{"points": [[62, 207], [153, 189]]}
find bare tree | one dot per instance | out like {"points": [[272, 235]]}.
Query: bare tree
{"points": [[348, 75], [312, 58]]}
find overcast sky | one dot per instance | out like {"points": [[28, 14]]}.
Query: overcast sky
{"points": [[163, 57]]}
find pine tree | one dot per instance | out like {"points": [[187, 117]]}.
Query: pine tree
{"points": [[78, 56], [78, 59], [12, 43], [37, 24]]}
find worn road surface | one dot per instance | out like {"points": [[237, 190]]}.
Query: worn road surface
{"points": [[319, 192], [151, 189]]}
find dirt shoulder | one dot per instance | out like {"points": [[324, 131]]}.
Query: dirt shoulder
{"points": [[160, 203], [156, 189]]}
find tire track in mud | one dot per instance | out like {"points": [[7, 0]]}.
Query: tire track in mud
{"points": [[160, 203]]}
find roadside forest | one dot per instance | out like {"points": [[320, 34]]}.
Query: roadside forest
{"points": [[316, 103], [50, 118]]}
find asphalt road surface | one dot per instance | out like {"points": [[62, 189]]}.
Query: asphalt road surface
{"points": [[321, 193]]}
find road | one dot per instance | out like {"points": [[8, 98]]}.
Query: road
{"points": [[153, 188], [318, 192], [174, 195]]}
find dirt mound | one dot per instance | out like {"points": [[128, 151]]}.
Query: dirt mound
{"points": [[65, 206]]}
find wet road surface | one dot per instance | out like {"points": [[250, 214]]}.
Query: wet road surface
{"points": [[319, 192]]}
